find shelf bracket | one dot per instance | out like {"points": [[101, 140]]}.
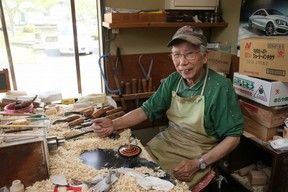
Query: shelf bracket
{"points": [[115, 30]]}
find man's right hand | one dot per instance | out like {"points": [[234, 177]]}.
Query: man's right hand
{"points": [[103, 126]]}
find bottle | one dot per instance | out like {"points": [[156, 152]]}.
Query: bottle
{"points": [[17, 186]]}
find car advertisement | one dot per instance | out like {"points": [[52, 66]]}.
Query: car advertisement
{"points": [[263, 18]]}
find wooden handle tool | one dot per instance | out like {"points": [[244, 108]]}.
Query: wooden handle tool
{"points": [[118, 109], [144, 85], [76, 122], [67, 119], [128, 88], [88, 112], [150, 85], [79, 134], [115, 115], [134, 85], [91, 108], [122, 86], [98, 113], [139, 86]]}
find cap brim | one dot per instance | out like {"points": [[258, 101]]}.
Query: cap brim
{"points": [[192, 39]]}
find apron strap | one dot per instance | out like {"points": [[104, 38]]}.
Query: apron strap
{"points": [[204, 84]]}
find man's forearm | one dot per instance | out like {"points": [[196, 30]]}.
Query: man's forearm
{"points": [[221, 150], [130, 119]]}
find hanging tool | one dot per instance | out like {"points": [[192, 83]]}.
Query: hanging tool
{"points": [[117, 83], [147, 75], [103, 75], [134, 85], [128, 88], [115, 79], [119, 63], [139, 86]]}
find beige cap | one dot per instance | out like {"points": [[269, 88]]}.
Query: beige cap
{"points": [[193, 35]]}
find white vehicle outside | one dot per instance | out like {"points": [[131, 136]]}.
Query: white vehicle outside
{"points": [[66, 41]]}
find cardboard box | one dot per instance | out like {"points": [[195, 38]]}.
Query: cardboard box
{"points": [[134, 17], [264, 57], [266, 116], [268, 93], [219, 61], [261, 132]]}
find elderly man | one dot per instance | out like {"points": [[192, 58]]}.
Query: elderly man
{"points": [[205, 120]]}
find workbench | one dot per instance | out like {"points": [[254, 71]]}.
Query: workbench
{"points": [[67, 160]]}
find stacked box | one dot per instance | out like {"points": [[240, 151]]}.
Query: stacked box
{"points": [[219, 61], [266, 116], [265, 92], [264, 57], [262, 82], [262, 121], [261, 132]]}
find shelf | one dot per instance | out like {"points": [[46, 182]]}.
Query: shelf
{"points": [[251, 151], [133, 96], [161, 24]]}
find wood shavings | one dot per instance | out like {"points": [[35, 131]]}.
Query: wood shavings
{"points": [[72, 132], [44, 185], [66, 160]]}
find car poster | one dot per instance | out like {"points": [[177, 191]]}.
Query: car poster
{"points": [[263, 18]]}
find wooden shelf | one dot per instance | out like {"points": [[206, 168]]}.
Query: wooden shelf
{"points": [[161, 24], [133, 96], [250, 151]]}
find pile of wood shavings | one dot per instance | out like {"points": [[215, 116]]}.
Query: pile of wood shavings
{"points": [[66, 159]]}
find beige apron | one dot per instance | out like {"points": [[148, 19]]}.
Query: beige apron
{"points": [[185, 137]]}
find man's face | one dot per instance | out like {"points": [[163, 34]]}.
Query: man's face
{"points": [[188, 61]]}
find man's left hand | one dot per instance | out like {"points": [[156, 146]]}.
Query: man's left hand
{"points": [[186, 170]]}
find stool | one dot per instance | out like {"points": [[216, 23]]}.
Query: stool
{"points": [[205, 181]]}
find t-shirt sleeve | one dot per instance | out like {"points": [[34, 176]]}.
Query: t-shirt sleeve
{"points": [[225, 112]]}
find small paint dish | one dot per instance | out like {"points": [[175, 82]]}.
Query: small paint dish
{"points": [[10, 109]]}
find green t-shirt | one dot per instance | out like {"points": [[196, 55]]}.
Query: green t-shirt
{"points": [[223, 116]]}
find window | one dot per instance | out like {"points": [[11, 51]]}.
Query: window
{"points": [[42, 46]]}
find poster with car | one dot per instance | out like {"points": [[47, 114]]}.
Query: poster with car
{"points": [[263, 18]]}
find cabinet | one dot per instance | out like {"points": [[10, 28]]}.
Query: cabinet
{"points": [[252, 150]]}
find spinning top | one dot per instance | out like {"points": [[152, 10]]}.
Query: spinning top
{"points": [[129, 150]]}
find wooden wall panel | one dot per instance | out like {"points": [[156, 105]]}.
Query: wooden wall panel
{"points": [[162, 67]]}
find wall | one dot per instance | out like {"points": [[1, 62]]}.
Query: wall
{"points": [[231, 14], [149, 40]]}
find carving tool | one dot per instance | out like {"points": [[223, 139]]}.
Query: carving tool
{"points": [[147, 86]]}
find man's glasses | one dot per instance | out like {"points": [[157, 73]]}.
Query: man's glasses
{"points": [[188, 56]]}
